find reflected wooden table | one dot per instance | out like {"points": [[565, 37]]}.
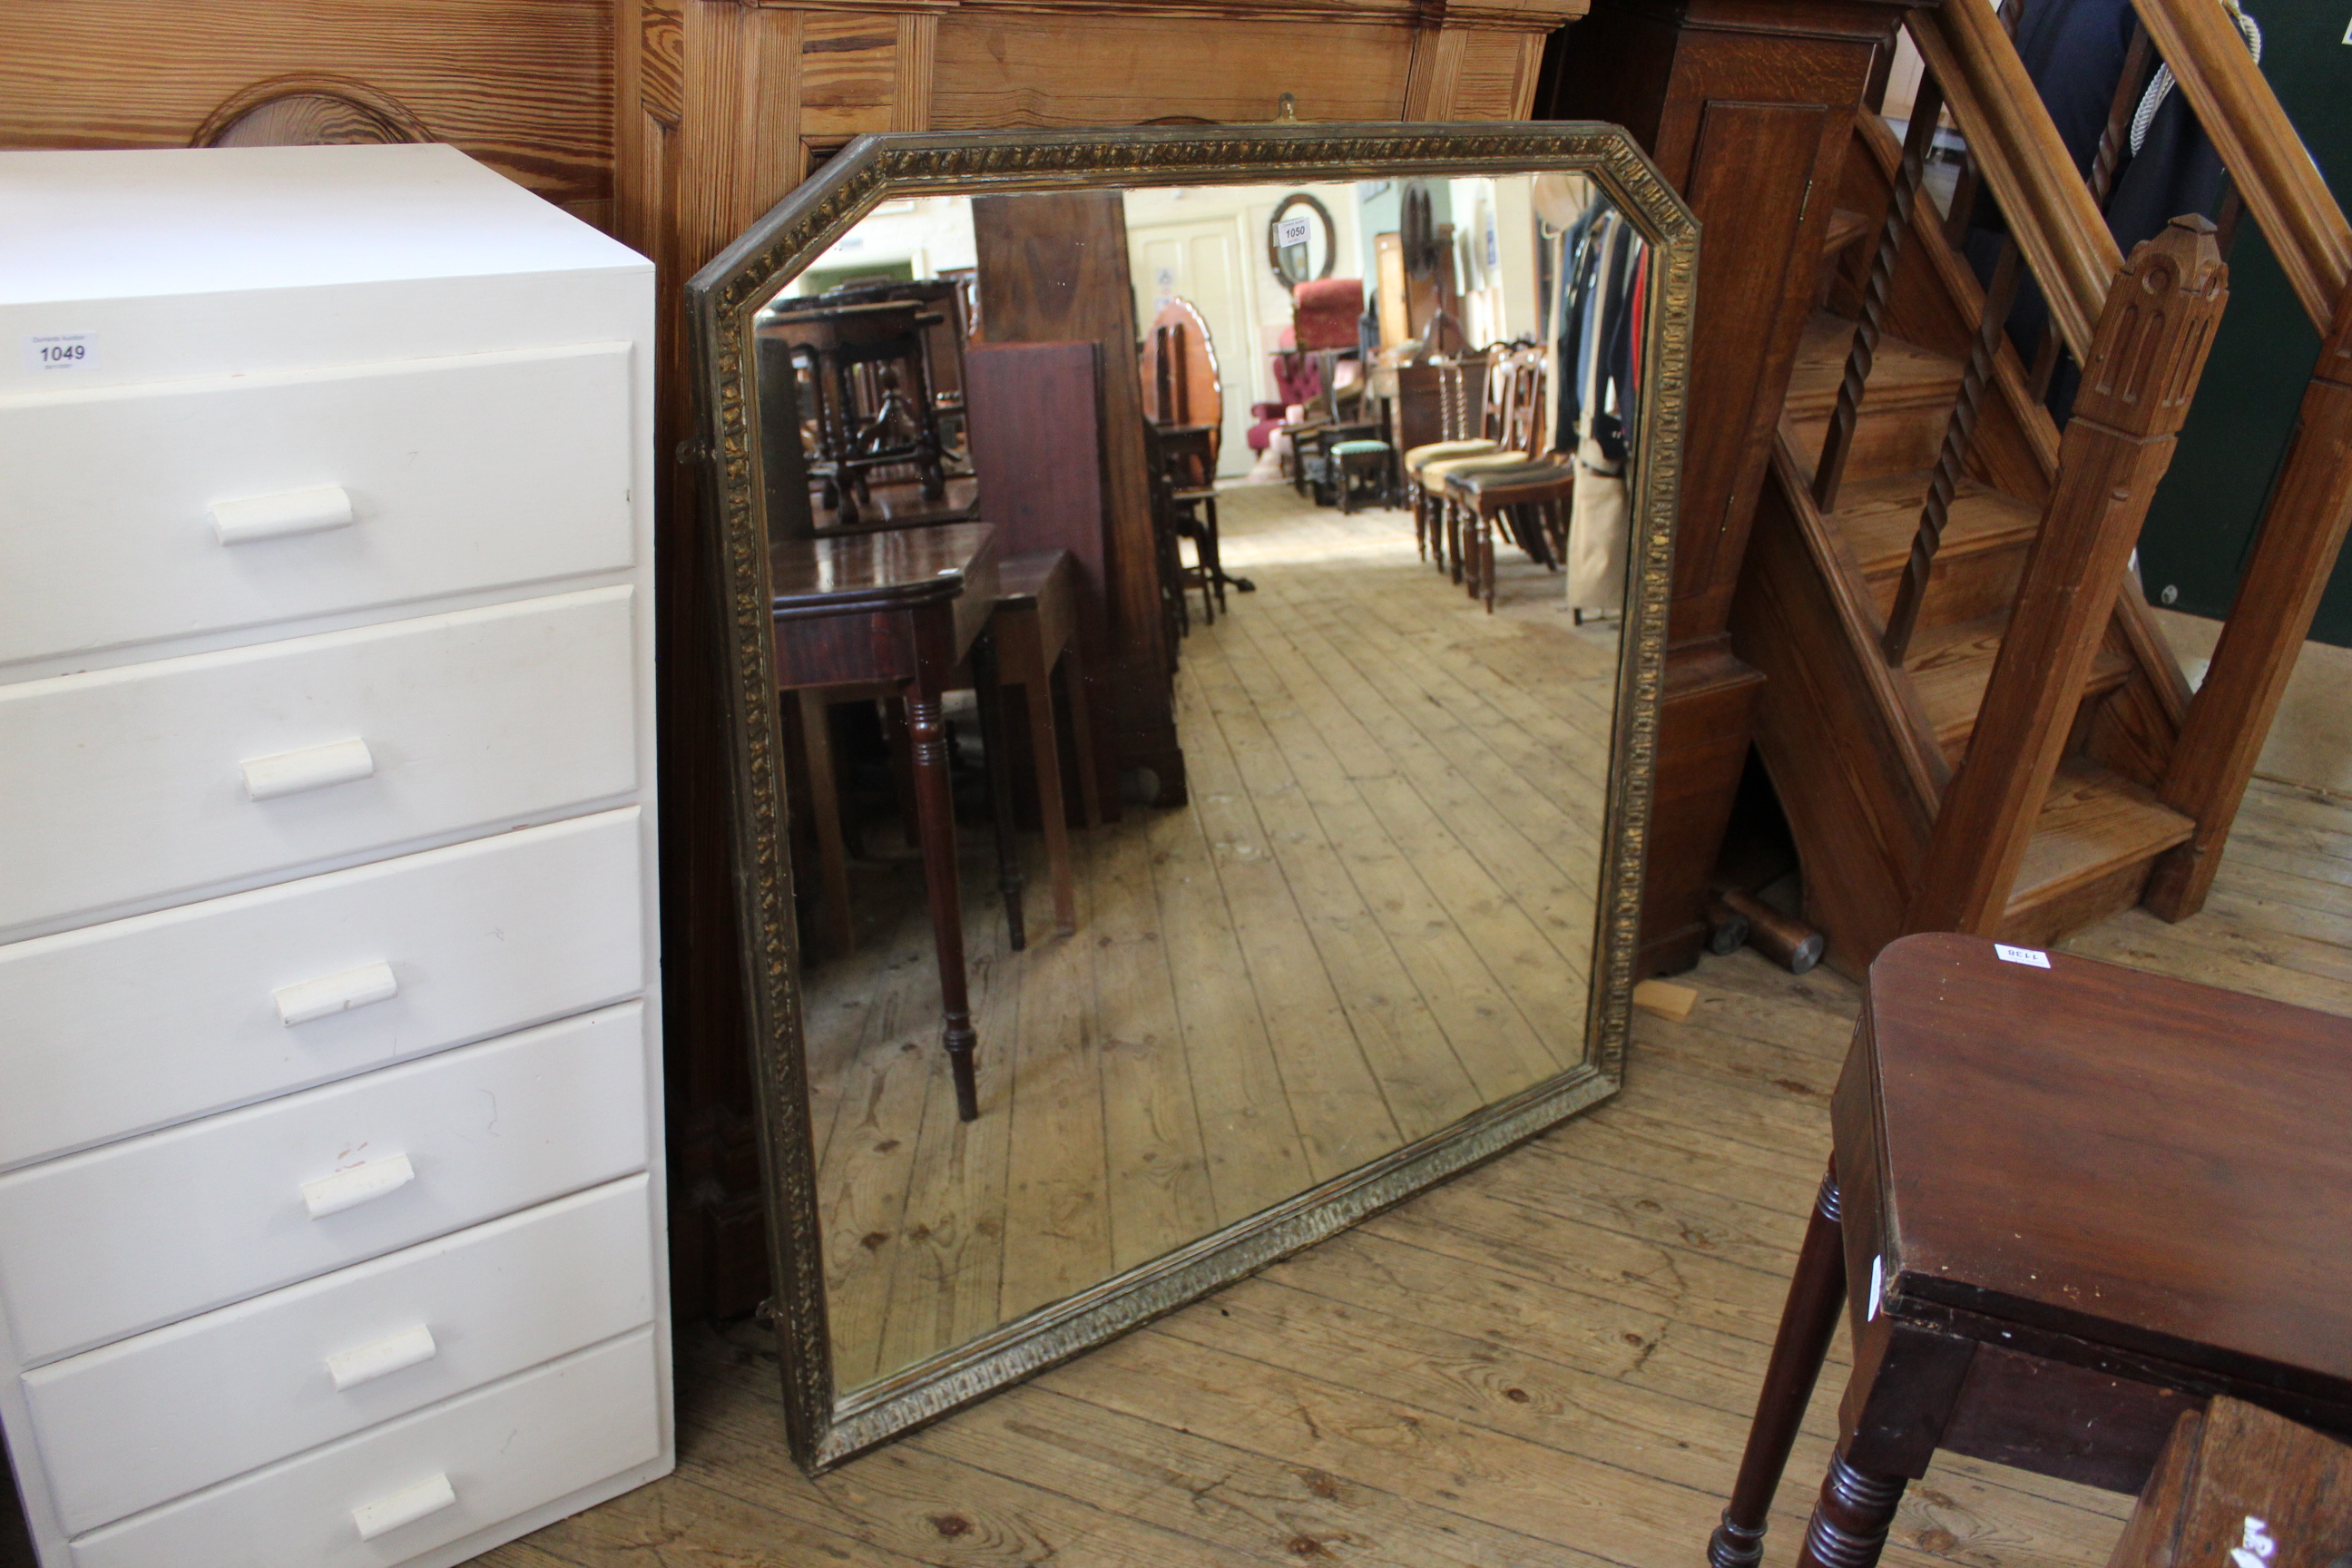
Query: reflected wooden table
{"points": [[902, 609]]}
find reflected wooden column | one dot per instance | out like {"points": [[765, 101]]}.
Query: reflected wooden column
{"points": [[1748, 107]]}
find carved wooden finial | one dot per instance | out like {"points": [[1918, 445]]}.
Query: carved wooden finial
{"points": [[2155, 331]]}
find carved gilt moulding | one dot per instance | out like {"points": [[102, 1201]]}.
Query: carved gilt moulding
{"points": [[824, 1429]]}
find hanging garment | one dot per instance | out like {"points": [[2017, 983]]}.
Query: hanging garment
{"points": [[1601, 351], [2075, 50], [1598, 528]]}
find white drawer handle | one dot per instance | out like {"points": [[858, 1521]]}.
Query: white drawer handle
{"points": [[361, 1183], [406, 1506], [300, 1003], [312, 767], [277, 516], [386, 1356]]}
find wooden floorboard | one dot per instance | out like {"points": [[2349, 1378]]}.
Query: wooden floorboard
{"points": [[1550, 1360]]}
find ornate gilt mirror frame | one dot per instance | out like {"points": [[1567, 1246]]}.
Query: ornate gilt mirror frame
{"points": [[825, 1427]]}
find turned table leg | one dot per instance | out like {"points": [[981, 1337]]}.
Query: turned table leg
{"points": [[1816, 1293], [1850, 1517], [935, 812]]}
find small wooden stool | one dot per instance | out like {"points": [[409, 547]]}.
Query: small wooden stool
{"points": [[1363, 471], [1035, 629], [2069, 1201]]}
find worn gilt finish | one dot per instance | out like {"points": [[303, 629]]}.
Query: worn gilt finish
{"points": [[823, 1427]]}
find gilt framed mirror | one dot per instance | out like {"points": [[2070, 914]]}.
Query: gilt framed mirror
{"points": [[1175, 813]]}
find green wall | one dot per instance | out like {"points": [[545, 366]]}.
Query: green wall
{"points": [[2204, 519]]}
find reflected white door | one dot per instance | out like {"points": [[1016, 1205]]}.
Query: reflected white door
{"points": [[1201, 262]]}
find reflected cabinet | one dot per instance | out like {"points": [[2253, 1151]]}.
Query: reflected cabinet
{"points": [[1191, 612]]}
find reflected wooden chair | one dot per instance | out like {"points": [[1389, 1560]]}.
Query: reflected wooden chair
{"points": [[2068, 1201], [1517, 387], [1184, 475], [1531, 498], [1464, 385]]}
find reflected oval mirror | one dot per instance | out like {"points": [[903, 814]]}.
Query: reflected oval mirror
{"points": [[1192, 735], [1300, 240]]}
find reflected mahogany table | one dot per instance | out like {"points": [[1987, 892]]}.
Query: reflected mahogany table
{"points": [[902, 609], [2067, 1204]]}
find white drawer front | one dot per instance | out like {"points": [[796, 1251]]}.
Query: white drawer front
{"points": [[133, 513], [137, 1234], [117, 1028], [494, 1454], [168, 1412], [157, 779]]}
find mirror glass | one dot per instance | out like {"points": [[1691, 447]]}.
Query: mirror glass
{"points": [[1364, 911]]}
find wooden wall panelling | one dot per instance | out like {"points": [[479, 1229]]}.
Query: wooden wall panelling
{"points": [[701, 85], [1747, 108], [1002, 68], [526, 86]]}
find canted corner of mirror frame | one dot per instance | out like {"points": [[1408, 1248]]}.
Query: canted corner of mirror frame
{"points": [[824, 1425]]}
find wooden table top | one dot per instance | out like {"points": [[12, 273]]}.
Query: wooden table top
{"points": [[895, 568], [2134, 1161]]}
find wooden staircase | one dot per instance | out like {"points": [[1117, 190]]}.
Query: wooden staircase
{"points": [[1863, 748]]}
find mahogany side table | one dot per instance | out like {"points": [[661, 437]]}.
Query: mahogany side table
{"points": [[903, 607], [2068, 1202]]}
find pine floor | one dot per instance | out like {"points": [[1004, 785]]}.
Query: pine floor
{"points": [[1550, 1360], [1373, 918]]}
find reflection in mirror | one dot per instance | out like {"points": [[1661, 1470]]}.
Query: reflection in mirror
{"points": [[1354, 905], [1299, 239]]}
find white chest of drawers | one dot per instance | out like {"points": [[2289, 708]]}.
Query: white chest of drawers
{"points": [[330, 1129]]}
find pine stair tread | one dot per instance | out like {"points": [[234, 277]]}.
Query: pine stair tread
{"points": [[2093, 824], [1950, 666], [1877, 517], [1902, 374]]}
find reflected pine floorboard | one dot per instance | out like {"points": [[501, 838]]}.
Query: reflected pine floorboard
{"points": [[1551, 1359], [1372, 917]]}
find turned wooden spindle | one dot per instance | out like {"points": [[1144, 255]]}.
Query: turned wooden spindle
{"points": [[1958, 434], [1927, 108], [2147, 354], [2101, 180]]}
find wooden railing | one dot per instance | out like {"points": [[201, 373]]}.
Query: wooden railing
{"points": [[2057, 233]]}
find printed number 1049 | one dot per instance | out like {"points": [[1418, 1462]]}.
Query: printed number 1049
{"points": [[63, 354]]}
